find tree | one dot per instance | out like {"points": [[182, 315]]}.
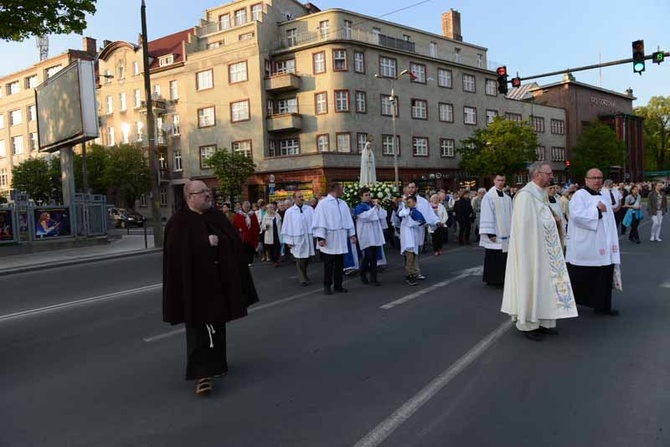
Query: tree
{"points": [[34, 177], [656, 131], [24, 18], [126, 175], [232, 170], [96, 159], [597, 147], [504, 146]]}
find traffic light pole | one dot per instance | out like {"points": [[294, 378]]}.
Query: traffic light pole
{"points": [[587, 67]]}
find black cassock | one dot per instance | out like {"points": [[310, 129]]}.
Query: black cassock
{"points": [[495, 263]]}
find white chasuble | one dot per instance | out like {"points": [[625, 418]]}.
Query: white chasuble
{"points": [[297, 230], [495, 218], [537, 284]]}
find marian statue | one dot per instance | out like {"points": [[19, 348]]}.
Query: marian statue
{"points": [[368, 175]]}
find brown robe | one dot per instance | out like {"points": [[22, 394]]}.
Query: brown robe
{"points": [[201, 283]]}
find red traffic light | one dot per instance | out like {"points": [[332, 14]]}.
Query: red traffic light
{"points": [[567, 163], [516, 82], [502, 71]]}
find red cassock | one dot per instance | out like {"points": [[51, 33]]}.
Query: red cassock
{"points": [[249, 234]]}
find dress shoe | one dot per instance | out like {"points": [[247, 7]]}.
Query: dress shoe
{"points": [[609, 313], [364, 279], [304, 283], [533, 335], [341, 290], [327, 290], [548, 331]]}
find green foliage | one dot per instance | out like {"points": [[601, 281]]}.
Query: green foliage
{"points": [[656, 132], [232, 170], [126, 174], [504, 146], [597, 147], [34, 177], [96, 159], [24, 18]]}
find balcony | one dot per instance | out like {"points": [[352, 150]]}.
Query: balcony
{"points": [[165, 175], [284, 122], [282, 82]]}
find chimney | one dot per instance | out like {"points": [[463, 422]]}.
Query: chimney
{"points": [[88, 45], [105, 43], [451, 25]]}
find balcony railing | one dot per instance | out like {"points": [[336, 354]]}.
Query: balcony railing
{"points": [[282, 82], [284, 122]]}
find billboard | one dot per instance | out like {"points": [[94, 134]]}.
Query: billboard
{"points": [[52, 222], [6, 225], [66, 107]]}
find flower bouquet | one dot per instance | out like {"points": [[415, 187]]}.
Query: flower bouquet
{"points": [[383, 192]]}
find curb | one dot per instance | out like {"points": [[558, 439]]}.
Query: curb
{"points": [[77, 260]]}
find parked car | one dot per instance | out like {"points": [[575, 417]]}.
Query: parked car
{"points": [[122, 217]]}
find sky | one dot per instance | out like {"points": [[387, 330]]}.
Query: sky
{"points": [[530, 37]]}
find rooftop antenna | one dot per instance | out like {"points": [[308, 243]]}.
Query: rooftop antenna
{"points": [[43, 46]]}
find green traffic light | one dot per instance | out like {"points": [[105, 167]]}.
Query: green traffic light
{"points": [[638, 67], [658, 57]]}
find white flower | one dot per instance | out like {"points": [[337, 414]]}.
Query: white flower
{"points": [[380, 195]]}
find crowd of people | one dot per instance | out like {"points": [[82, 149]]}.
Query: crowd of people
{"points": [[548, 248]]}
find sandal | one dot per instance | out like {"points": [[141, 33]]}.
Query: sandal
{"points": [[203, 386]]}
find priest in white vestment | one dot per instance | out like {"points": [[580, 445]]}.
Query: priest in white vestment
{"points": [[368, 176], [537, 285], [297, 233], [494, 231], [370, 225], [593, 246], [431, 220], [331, 226]]}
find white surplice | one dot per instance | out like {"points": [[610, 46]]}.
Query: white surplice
{"points": [[495, 218], [297, 231], [537, 285], [333, 223], [411, 232], [593, 239], [370, 227], [426, 210]]}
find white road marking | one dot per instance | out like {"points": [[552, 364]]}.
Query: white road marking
{"points": [[402, 414], [109, 296], [463, 274], [665, 284]]}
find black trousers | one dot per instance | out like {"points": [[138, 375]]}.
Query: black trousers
{"points": [[369, 262], [634, 235], [464, 232], [249, 253], [205, 356], [592, 286], [333, 269], [438, 238], [495, 263]]}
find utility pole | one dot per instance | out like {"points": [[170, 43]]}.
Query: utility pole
{"points": [[151, 136]]}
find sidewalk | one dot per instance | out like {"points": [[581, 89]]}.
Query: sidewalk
{"points": [[127, 245]]}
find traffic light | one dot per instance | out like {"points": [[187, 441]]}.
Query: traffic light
{"points": [[502, 80], [567, 166], [638, 56], [516, 82], [657, 57]]}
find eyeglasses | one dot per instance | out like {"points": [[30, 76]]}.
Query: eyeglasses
{"points": [[594, 178], [548, 173], [203, 191]]}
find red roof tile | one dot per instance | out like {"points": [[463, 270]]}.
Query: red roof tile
{"points": [[171, 44]]}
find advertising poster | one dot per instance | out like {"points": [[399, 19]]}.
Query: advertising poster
{"points": [[6, 226], [52, 222]]}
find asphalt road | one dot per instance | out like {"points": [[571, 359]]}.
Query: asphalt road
{"points": [[86, 361]]}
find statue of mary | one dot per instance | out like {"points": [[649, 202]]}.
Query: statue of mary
{"points": [[368, 175]]}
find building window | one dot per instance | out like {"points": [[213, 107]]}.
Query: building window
{"points": [[239, 111], [164, 61], [257, 11], [480, 60], [17, 145], [447, 148], [32, 113], [31, 81], [125, 132], [341, 100], [15, 117], [348, 29], [343, 142], [213, 45], [417, 73], [206, 153], [289, 105], [516, 117], [558, 127], [136, 68], [446, 112], [143, 201], [490, 116], [319, 62], [324, 27], [174, 90], [457, 55], [359, 62], [389, 105], [323, 143], [420, 146], [33, 141], [53, 70], [4, 177], [388, 67], [224, 21], [13, 88], [290, 146], [204, 80], [557, 153], [285, 66], [242, 147], [2, 121], [177, 162], [491, 87], [444, 78], [321, 103], [540, 153], [361, 139], [140, 130], [419, 109], [469, 115], [206, 117], [3, 150], [176, 128], [240, 17], [361, 102], [469, 84], [433, 49], [291, 37], [340, 60], [387, 145], [137, 98], [123, 106], [537, 122], [237, 72], [111, 141]]}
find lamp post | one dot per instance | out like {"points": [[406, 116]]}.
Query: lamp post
{"points": [[394, 106]]}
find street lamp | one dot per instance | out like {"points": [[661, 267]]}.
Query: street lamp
{"points": [[394, 105]]}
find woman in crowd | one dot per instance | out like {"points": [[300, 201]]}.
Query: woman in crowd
{"points": [[657, 207], [271, 228], [633, 213], [464, 216], [439, 231]]}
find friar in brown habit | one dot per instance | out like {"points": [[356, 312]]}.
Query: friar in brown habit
{"points": [[206, 282]]}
